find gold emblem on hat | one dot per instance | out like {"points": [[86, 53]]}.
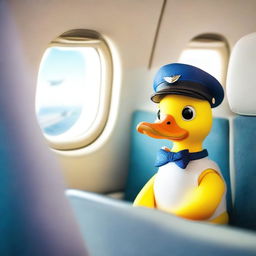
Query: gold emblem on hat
{"points": [[172, 79]]}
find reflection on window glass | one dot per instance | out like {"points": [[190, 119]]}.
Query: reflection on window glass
{"points": [[68, 90]]}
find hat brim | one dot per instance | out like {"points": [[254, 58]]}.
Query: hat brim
{"points": [[196, 91]]}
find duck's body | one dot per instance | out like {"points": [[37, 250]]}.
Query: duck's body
{"points": [[197, 192], [187, 184], [173, 189]]}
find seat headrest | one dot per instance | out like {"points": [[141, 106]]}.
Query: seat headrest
{"points": [[241, 77]]}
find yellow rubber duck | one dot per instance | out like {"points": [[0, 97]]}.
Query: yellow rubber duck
{"points": [[187, 184]]}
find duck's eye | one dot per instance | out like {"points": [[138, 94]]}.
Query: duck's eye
{"points": [[188, 113], [158, 114]]}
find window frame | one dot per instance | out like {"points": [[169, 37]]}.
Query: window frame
{"points": [[212, 42], [87, 38]]}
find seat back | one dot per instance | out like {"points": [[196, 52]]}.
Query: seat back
{"points": [[244, 211], [143, 152], [241, 96], [35, 216], [113, 228]]}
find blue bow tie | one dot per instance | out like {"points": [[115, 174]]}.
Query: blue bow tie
{"points": [[181, 158]]}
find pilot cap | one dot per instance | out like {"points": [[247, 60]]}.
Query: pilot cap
{"points": [[187, 80]]}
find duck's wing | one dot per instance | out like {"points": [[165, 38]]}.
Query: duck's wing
{"points": [[146, 195], [201, 203]]}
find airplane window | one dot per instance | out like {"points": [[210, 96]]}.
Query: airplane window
{"points": [[208, 52], [71, 104]]}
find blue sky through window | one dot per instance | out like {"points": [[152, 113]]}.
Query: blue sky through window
{"points": [[62, 63], [64, 81]]}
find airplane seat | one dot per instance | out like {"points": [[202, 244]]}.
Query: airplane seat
{"points": [[241, 86], [143, 152], [113, 227], [35, 216]]}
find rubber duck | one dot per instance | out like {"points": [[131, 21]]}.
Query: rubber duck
{"points": [[188, 184]]}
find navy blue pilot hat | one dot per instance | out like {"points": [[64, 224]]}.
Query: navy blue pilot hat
{"points": [[187, 80]]}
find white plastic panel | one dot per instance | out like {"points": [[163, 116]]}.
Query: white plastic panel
{"points": [[241, 81]]}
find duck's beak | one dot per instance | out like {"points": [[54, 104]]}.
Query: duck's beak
{"points": [[165, 129]]}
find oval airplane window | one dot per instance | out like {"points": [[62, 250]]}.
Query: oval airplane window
{"points": [[73, 89], [209, 52]]}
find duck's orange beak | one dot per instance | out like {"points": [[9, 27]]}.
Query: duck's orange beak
{"points": [[165, 129]]}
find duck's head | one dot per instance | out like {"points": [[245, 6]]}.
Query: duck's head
{"points": [[184, 120], [185, 115]]}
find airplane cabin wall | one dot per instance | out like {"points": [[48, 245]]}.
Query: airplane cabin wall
{"points": [[129, 28], [185, 19]]}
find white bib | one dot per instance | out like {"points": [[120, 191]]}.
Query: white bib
{"points": [[173, 183]]}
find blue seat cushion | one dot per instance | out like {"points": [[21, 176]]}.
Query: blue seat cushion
{"points": [[244, 211], [144, 149]]}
